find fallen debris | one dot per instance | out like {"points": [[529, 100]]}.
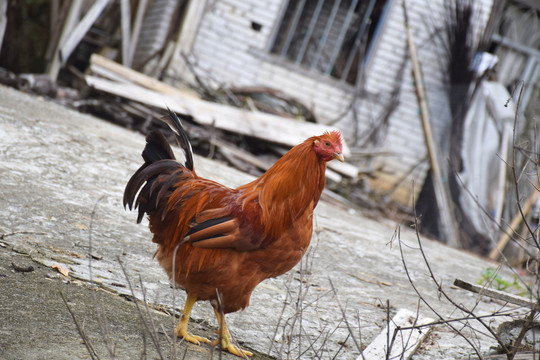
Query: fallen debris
{"points": [[22, 269], [496, 294], [400, 339], [62, 270], [113, 78]]}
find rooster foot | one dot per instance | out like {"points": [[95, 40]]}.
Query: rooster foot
{"points": [[183, 334], [227, 345], [196, 339]]}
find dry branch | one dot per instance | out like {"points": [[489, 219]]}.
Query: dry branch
{"points": [[496, 294]]}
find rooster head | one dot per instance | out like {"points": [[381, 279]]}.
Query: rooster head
{"points": [[329, 146]]}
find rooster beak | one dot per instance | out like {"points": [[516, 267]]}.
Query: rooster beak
{"points": [[339, 156]]}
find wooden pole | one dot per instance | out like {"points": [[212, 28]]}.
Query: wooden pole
{"points": [[72, 35], [446, 214], [518, 218], [69, 24], [136, 30], [125, 25], [3, 20]]}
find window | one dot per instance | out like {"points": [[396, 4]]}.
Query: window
{"points": [[519, 53], [330, 36]]}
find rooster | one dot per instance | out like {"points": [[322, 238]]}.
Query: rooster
{"points": [[219, 243]]}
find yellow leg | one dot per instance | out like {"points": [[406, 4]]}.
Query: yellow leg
{"points": [[181, 328], [226, 339]]}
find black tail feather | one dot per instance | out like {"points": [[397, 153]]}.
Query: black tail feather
{"points": [[160, 171], [157, 148], [145, 173], [181, 137]]}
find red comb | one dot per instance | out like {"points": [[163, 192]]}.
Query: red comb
{"points": [[337, 135]]}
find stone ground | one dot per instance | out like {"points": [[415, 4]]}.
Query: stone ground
{"points": [[62, 176]]}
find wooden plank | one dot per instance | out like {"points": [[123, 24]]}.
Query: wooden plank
{"points": [[239, 153], [102, 65], [444, 204], [263, 126], [3, 20], [527, 355], [125, 25], [114, 71], [496, 294], [190, 26], [81, 29], [406, 341], [518, 218], [136, 30], [344, 168], [69, 24]]}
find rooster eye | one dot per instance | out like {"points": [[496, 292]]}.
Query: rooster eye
{"points": [[326, 143]]}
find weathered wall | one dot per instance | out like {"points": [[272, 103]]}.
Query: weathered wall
{"points": [[226, 50]]}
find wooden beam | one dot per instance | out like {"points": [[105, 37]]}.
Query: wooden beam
{"points": [[136, 30], [121, 74], [525, 355], [195, 10], [81, 29], [115, 71], [496, 294], [264, 126], [125, 27], [518, 218], [3, 21], [72, 36], [69, 24], [190, 26], [444, 204], [405, 342], [242, 155]]}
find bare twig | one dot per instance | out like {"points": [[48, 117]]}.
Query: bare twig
{"points": [[344, 315], [514, 174], [82, 333], [422, 298], [146, 328]]}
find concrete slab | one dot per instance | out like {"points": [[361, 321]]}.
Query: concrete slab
{"points": [[62, 179]]}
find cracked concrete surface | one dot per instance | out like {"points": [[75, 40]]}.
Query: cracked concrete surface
{"points": [[62, 179]]}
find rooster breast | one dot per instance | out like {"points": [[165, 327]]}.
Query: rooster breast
{"points": [[235, 274]]}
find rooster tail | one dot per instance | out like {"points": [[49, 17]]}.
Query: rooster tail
{"points": [[160, 171], [181, 137]]}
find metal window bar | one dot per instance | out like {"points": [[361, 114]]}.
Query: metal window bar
{"points": [[309, 32], [273, 39], [324, 37], [358, 40], [291, 31], [530, 73], [341, 36]]}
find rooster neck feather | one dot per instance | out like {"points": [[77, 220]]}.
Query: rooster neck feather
{"points": [[290, 187]]}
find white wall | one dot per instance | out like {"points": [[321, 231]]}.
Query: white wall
{"points": [[227, 51]]}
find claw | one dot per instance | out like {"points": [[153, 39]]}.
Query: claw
{"points": [[181, 333], [226, 338], [233, 349]]}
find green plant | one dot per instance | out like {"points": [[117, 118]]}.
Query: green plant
{"points": [[491, 279]]}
